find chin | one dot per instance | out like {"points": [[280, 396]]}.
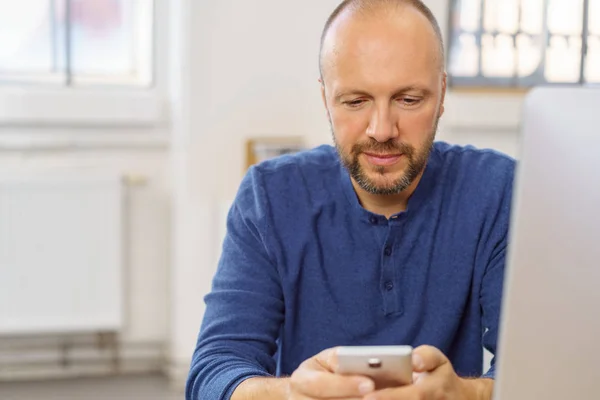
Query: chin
{"points": [[384, 182], [384, 174]]}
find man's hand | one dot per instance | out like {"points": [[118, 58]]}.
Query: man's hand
{"points": [[315, 379], [435, 379]]}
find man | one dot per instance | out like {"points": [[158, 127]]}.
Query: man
{"points": [[388, 239]]}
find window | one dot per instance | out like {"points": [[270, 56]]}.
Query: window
{"points": [[522, 43], [76, 42]]}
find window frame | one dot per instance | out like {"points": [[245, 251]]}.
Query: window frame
{"points": [[85, 105], [515, 82]]}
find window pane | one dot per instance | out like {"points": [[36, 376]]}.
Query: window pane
{"points": [[111, 40], [592, 64], [529, 55], [501, 15], [565, 17], [468, 12], [563, 59], [498, 56], [464, 56], [594, 17], [508, 16], [26, 28], [532, 16]]}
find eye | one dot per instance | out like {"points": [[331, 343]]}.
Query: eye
{"points": [[354, 103], [409, 101]]}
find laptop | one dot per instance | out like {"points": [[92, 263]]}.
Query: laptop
{"points": [[549, 344]]}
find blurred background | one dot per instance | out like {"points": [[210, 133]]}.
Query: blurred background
{"points": [[127, 125]]}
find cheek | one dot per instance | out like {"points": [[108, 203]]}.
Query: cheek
{"points": [[349, 128], [416, 125]]}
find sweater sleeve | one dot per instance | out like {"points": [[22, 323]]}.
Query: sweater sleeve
{"points": [[493, 278], [491, 299], [245, 308]]}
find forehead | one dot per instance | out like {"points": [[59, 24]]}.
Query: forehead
{"points": [[398, 46]]}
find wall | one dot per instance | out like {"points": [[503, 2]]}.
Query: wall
{"points": [[244, 69]]}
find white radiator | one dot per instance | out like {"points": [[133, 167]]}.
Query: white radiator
{"points": [[60, 254]]}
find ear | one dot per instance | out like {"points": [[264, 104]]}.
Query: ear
{"points": [[444, 86], [324, 98]]}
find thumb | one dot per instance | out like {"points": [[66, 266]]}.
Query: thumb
{"points": [[327, 360], [428, 358]]}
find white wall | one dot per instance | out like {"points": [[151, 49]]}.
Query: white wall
{"points": [[247, 69]]}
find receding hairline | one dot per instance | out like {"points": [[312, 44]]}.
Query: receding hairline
{"points": [[367, 8]]}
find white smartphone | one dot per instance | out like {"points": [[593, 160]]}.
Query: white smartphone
{"points": [[388, 366]]}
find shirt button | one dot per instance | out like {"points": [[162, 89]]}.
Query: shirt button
{"points": [[387, 251], [373, 220], [389, 286]]}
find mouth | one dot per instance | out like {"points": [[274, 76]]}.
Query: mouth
{"points": [[383, 159]]}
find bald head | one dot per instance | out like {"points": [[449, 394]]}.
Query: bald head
{"points": [[365, 9]]}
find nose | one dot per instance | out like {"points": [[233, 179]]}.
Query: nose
{"points": [[382, 126]]}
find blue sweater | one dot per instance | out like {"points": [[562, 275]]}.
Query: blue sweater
{"points": [[304, 267]]}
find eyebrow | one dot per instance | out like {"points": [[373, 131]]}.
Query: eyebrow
{"points": [[404, 90]]}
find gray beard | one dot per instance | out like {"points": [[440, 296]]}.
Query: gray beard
{"points": [[416, 163]]}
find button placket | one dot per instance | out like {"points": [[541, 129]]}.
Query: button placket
{"points": [[392, 297], [387, 251]]}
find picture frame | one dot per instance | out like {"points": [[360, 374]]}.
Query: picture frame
{"points": [[264, 148]]}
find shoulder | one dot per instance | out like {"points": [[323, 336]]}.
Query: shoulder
{"points": [[291, 175], [292, 170], [488, 160], [474, 165], [318, 158], [477, 183]]}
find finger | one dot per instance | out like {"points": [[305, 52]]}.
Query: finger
{"points": [[428, 358], [297, 396], [419, 376], [408, 392], [322, 384], [327, 359], [302, 397]]}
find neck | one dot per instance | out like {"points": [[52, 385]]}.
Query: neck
{"points": [[386, 205]]}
